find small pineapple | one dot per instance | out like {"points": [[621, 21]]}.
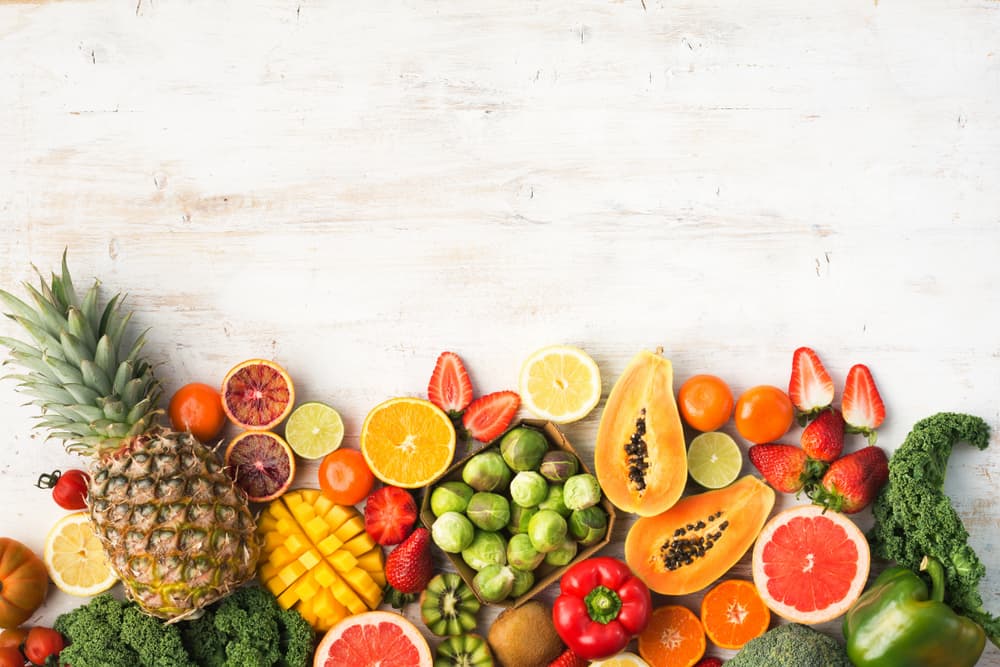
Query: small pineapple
{"points": [[176, 529]]}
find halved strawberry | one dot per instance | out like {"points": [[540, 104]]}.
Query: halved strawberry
{"points": [[488, 416], [390, 513], [450, 388], [861, 405], [810, 386]]}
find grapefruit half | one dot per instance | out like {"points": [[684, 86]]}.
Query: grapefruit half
{"points": [[373, 638], [810, 566]]}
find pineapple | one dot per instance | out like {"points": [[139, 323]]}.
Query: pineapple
{"points": [[176, 529]]}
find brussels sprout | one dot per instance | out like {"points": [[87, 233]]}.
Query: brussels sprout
{"points": [[563, 554], [523, 581], [581, 492], [450, 497], [488, 511], [554, 501], [528, 488], [547, 530], [558, 466], [494, 582], [452, 532], [522, 555], [523, 448], [486, 472], [589, 526], [519, 518], [486, 549]]}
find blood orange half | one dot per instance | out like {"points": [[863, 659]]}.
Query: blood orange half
{"points": [[373, 638], [257, 394], [261, 463], [809, 565]]}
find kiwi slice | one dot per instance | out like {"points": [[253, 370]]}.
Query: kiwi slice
{"points": [[463, 651], [448, 606]]}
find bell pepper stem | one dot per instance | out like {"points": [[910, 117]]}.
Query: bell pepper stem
{"points": [[603, 604], [933, 567]]}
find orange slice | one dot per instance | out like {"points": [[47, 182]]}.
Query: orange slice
{"points": [[733, 613], [257, 394], [407, 442], [261, 463], [673, 638]]}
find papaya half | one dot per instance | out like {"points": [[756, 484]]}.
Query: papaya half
{"points": [[696, 541], [640, 456]]}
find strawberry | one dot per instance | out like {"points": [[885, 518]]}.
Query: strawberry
{"points": [[810, 386], [852, 481], [450, 388], [390, 513], [569, 659], [408, 568], [785, 467], [823, 438], [488, 416], [709, 662], [862, 405]]}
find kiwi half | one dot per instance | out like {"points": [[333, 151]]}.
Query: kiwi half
{"points": [[463, 651], [448, 606]]}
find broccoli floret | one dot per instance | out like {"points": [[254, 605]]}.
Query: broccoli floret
{"points": [[914, 518], [791, 645]]}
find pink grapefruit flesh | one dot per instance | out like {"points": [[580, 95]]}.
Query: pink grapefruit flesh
{"points": [[810, 566], [373, 638]]}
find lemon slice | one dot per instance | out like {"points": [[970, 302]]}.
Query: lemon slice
{"points": [[625, 659], [75, 557], [714, 460], [314, 430], [560, 383]]}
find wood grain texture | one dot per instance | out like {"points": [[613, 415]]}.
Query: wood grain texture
{"points": [[350, 188]]}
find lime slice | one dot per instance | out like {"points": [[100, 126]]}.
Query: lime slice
{"points": [[314, 430], [714, 460]]}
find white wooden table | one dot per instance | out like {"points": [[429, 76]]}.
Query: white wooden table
{"points": [[350, 188]]}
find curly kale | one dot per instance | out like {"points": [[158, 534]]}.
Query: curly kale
{"points": [[246, 629], [914, 517], [791, 645]]}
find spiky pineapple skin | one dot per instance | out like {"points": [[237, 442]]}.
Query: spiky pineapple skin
{"points": [[175, 528]]}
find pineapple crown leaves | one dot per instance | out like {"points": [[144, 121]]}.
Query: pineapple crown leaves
{"points": [[92, 396]]}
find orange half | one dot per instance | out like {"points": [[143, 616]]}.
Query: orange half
{"points": [[257, 394], [733, 613], [673, 638], [407, 442]]}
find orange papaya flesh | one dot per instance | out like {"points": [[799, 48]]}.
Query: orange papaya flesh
{"points": [[695, 542]]}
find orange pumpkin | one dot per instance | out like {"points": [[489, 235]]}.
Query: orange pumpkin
{"points": [[23, 583]]}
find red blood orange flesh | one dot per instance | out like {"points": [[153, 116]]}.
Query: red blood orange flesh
{"points": [[261, 463], [257, 394], [810, 566], [373, 638]]}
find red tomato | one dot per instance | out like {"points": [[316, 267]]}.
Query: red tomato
{"points": [[344, 477], [70, 491], [197, 408], [11, 657], [764, 414], [41, 643], [705, 402]]}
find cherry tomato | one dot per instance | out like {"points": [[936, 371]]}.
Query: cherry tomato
{"points": [[41, 643], [10, 656], [764, 414], [70, 490], [344, 477], [706, 402], [13, 637], [197, 408]]}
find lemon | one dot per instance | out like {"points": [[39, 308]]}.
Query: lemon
{"points": [[625, 659], [75, 557], [314, 430], [714, 460], [560, 383]]}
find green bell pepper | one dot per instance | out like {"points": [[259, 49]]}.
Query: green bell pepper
{"points": [[896, 624]]}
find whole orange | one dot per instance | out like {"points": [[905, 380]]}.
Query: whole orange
{"points": [[764, 413], [705, 402], [197, 407]]}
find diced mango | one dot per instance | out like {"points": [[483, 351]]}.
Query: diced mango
{"points": [[316, 529], [322, 603], [275, 585], [279, 510], [329, 545], [266, 524], [291, 572], [350, 528], [272, 539], [288, 598], [306, 588], [336, 517], [280, 557], [266, 570], [342, 561], [309, 495], [287, 525], [378, 576], [371, 559], [297, 543], [347, 597], [306, 612], [310, 559], [359, 544], [364, 586], [322, 505], [324, 575]]}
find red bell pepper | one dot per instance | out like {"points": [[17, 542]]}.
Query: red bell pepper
{"points": [[601, 606]]}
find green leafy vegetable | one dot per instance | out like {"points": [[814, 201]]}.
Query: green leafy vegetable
{"points": [[791, 645], [914, 517]]}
